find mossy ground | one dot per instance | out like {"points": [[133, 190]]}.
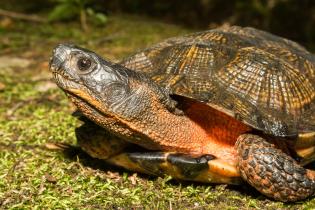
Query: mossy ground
{"points": [[35, 115]]}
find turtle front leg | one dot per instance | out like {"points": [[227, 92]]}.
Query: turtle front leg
{"points": [[98, 142], [271, 171], [203, 168], [101, 144]]}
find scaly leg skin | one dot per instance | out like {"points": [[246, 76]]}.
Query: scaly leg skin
{"points": [[204, 168], [98, 142], [271, 171]]}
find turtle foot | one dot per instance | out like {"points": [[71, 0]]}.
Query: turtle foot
{"points": [[271, 171]]}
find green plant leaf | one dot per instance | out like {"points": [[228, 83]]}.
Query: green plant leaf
{"points": [[64, 11], [90, 11], [96, 17], [101, 18]]}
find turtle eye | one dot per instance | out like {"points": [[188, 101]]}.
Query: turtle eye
{"points": [[84, 64]]}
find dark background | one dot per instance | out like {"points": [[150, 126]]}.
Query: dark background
{"points": [[293, 19]]}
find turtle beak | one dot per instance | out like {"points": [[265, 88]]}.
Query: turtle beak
{"points": [[61, 74], [60, 54]]}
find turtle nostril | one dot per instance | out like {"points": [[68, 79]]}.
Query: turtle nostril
{"points": [[55, 63], [60, 53]]}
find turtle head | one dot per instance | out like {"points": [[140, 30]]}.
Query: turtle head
{"points": [[90, 80], [97, 85]]}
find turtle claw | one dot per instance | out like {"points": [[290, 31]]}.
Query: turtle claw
{"points": [[80, 116]]}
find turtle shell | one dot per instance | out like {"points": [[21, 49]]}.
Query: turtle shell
{"points": [[263, 80]]}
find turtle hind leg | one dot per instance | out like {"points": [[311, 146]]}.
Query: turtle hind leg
{"points": [[271, 171], [204, 168]]}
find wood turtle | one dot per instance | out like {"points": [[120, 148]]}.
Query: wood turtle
{"points": [[226, 105]]}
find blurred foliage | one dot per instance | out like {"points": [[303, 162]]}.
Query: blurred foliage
{"points": [[288, 18], [70, 9], [66, 9]]}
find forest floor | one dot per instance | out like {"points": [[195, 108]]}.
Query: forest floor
{"points": [[37, 168]]}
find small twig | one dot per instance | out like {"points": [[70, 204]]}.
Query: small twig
{"points": [[56, 146], [11, 111], [14, 166], [41, 186], [21, 16], [83, 20]]}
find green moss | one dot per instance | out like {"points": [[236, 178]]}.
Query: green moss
{"points": [[32, 176]]}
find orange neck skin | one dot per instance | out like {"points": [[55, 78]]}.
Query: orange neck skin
{"points": [[201, 130]]}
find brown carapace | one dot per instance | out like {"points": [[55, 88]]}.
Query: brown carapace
{"points": [[221, 106]]}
